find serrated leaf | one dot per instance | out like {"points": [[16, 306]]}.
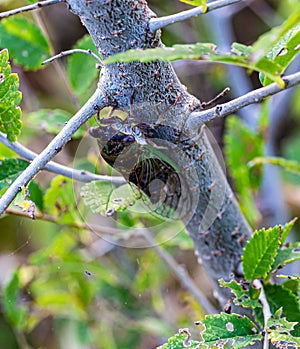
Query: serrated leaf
{"points": [[242, 145], [177, 342], [202, 3], [201, 51], [244, 294], [286, 255], [279, 331], [280, 297], [285, 229], [13, 311], [52, 121], [259, 253], [10, 98], [81, 68], [102, 197], [60, 200], [236, 330], [281, 340], [281, 325], [25, 42], [10, 169]]}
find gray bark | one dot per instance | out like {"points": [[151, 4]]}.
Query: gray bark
{"points": [[152, 93]]}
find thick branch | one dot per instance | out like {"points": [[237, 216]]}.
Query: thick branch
{"points": [[85, 113], [29, 7], [158, 23], [78, 175], [197, 119]]}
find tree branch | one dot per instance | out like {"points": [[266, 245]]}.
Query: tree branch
{"points": [[29, 8], [70, 52], [197, 119], [86, 112], [78, 175], [158, 23]]}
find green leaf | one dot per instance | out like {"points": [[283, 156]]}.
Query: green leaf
{"points": [[236, 330], [285, 229], [242, 145], [25, 42], [177, 342], [13, 311], [60, 200], [10, 169], [52, 121], [244, 294], [259, 253], [36, 194], [102, 197], [281, 340], [81, 68], [280, 297], [10, 98], [202, 51], [289, 165], [202, 3], [280, 330], [286, 255], [281, 44]]}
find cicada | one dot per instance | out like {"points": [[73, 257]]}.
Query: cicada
{"points": [[147, 156]]}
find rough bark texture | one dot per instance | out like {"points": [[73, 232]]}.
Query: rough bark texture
{"points": [[151, 93]]}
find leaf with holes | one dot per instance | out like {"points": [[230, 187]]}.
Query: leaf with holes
{"points": [[259, 253], [10, 98], [286, 255], [229, 329], [244, 295], [178, 341], [24, 40], [10, 169], [279, 330], [280, 297]]}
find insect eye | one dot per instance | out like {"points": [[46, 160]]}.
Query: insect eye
{"points": [[128, 139]]}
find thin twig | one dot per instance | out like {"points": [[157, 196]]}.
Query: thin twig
{"points": [[99, 230], [35, 6], [75, 50], [197, 118], [181, 274], [266, 311], [78, 175], [97, 100], [158, 23]]}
